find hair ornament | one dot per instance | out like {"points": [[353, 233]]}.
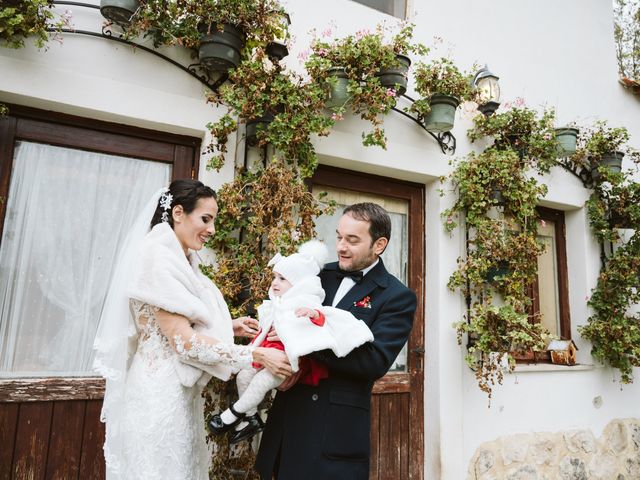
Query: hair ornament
{"points": [[165, 203]]}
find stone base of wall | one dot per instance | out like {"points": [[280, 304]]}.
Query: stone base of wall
{"points": [[569, 455]]}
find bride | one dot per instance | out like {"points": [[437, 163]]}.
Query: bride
{"points": [[164, 331]]}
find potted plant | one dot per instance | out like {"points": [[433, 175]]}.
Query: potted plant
{"points": [[603, 148], [119, 11], [218, 30], [523, 130], [363, 68], [442, 87], [259, 91], [566, 138], [496, 333], [26, 18]]}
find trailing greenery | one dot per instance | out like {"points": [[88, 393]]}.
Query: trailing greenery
{"points": [[22, 19], [182, 22], [522, 129], [627, 37], [614, 328], [501, 260], [363, 56], [599, 139], [259, 87], [440, 77]]}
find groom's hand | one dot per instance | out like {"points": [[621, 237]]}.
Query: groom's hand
{"points": [[290, 381]]}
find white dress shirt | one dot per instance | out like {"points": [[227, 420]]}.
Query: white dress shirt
{"points": [[347, 283]]}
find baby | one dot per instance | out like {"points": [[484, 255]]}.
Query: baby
{"points": [[303, 324]]}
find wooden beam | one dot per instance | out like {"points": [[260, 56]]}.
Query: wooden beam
{"points": [[51, 389]]}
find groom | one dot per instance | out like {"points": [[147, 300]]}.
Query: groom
{"points": [[322, 432]]}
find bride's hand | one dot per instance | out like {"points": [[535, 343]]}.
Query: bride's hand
{"points": [[274, 360], [245, 327]]}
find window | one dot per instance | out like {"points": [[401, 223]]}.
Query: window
{"points": [[549, 293], [70, 190], [397, 8]]}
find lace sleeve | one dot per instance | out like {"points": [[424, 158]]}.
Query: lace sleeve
{"points": [[199, 350]]}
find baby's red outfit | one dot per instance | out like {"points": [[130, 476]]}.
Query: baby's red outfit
{"points": [[311, 371]]}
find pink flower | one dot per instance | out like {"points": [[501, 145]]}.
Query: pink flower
{"points": [[449, 220], [362, 33], [322, 52], [547, 136], [391, 92], [303, 55], [519, 102], [543, 223], [336, 117], [326, 32]]}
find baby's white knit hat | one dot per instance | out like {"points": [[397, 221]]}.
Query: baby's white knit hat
{"points": [[307, 262]]}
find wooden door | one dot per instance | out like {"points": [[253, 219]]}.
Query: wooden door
{"points": [[50, 419], [397, 437]]}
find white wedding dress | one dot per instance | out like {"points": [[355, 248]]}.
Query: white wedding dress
{"points": [[164, 432]]}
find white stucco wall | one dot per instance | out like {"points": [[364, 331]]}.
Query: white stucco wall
{"points": [[551, 52]]}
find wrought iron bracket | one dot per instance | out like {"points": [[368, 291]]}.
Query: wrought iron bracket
{"points": [[581, 172], [446, 140], [211, 81]]}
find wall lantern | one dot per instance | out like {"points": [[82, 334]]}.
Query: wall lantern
{"points": [[486, 84]]}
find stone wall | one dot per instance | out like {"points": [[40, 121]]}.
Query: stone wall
{"points": [[568, 455]]}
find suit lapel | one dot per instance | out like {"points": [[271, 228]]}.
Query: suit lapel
{"points": [[376, 277]]}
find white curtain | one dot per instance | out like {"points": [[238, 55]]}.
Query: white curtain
{"points": [[67, 213]]}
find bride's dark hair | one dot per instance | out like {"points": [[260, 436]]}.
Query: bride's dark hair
{"points": [[185, 192]]}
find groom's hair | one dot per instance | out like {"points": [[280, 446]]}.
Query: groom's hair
{"points": [[185, 192], [378, 218]]}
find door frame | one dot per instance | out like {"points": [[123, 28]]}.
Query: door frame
{"points": [[412, 381], [50, 426]]}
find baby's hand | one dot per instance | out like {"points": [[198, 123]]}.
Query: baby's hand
{"points": [[307, 312]]}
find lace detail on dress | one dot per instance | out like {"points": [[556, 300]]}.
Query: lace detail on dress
{"points": [[153, 345], [163, 431], [236, 356]]}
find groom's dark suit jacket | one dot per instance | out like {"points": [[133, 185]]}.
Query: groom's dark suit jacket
{"points": [[322, 432]]}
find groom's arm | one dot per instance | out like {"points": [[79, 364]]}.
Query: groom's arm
{"points": [[390, 328]]}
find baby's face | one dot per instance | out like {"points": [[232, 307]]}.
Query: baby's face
{"points": [[279, 285]]}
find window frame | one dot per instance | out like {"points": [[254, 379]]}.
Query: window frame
{"points": [[556, 216], [53, 128], [403, 16]]}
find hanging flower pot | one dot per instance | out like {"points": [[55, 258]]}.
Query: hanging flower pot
{"points": [[220, 49], [277, 50], [497, 198], [119, 11], [257, 125], [396, 77], [566, 138], [501, 269], [620, 220], [612, 161], [442, 114], [338, 94]]}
